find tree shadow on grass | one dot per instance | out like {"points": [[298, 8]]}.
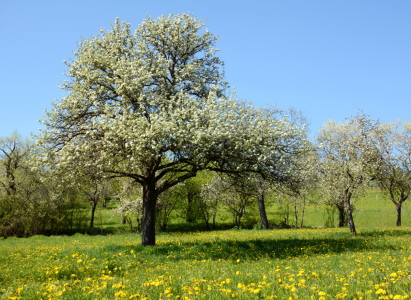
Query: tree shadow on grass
{"points": [[386, 232], [256, 249]]}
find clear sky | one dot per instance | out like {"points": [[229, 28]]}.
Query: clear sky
{"points": [[326, 58]]}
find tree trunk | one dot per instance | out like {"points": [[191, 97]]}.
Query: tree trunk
{"points": [[207, 224], [295, 211], [190, 210], [93, 212], [148, 232], [341, 215], [302, 212], [350, 218], [399, 207], [263, 213], [131, 226]]}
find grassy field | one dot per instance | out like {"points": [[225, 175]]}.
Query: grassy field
{"points": [[233, 264], [309, 263]]}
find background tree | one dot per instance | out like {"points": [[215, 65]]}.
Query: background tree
{"points": [[149, 105], [167, 203], [24, 206], [297, 194], [237, 195], [191, 196], [393, 172], [130, 203], [210, 201], [262, 187], [96, 190], [348, 156]]}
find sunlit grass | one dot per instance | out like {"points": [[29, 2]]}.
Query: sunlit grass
{"points": [[235, 264]]}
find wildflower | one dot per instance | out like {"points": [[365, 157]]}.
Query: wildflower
{"points": [[400, 297], [380, 291], [120, 294]]}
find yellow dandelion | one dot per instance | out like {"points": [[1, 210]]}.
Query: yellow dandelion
{"points": [[380, 291]]}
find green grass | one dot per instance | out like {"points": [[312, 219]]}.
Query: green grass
{"points": [[308, 263], [232, 264]]}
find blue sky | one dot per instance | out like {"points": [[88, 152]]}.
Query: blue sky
{"points": [[327, 59]]}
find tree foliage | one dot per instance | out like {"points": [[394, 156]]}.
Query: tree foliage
{"points": [[348, 157], [151, 105], [393, 172]]}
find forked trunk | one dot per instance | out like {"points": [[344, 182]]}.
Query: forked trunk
{"points": [[148, 232]]}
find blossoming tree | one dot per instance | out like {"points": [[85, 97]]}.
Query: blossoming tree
{"points": [[348, 158], [393, 172], [151, 105]]}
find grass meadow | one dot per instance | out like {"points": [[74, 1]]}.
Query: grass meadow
{"points": [[307, 263]]}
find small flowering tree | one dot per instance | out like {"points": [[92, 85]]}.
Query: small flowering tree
{"points": [[23, 208], [393, 172], [150, 105], [210, 198], [129, 210], [348, 157]]}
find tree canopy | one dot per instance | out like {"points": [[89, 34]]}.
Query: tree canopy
{"points": [[152, 105]]}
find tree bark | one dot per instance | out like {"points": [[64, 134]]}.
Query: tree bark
{"points": [[341, 215], [93, 212], [302, 213], [399, 208], [190, 210], [263, 213], [350, 218], [150, 196], [295, 211]]}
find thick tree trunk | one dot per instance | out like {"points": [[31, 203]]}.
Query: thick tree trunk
{"points": [[148, 232], [263, 213], [399, 208]]}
